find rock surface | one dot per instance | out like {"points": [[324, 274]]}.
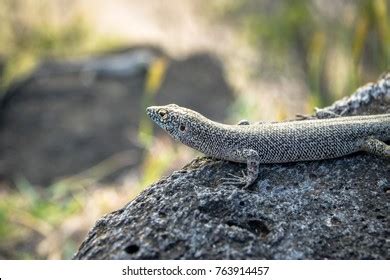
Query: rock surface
{"points": [[331, 209]]}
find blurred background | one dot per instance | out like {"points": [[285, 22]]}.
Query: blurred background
{"points": [[76, 76]]}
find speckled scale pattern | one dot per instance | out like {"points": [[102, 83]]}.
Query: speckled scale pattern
{"points": [[294, 141]]}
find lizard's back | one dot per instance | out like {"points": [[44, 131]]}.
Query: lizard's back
{"points": [[303, 140]]}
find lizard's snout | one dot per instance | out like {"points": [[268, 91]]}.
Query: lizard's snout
{"points": [[150, 111], [153, 113]]}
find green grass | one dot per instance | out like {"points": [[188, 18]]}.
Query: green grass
{"points": [[28, 36]]}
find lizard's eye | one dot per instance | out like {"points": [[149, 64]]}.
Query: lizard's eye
{"points": [[163, 114], [182, 127]]}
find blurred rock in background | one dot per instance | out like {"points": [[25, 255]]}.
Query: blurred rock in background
{"points": [[70, 116]]}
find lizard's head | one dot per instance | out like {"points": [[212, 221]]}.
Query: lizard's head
{"points": [[179, 122]]}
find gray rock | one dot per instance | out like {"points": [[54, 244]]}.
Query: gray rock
{"points": [[331, 209]]}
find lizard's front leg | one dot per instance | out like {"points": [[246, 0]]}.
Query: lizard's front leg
{"points": [[252, 160]]}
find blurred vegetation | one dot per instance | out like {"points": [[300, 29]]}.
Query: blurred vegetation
{"points": [[335, 45], [34, 30], [40, 223], [28, 215], [154, 79]]}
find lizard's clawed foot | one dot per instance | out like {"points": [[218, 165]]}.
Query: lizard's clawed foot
{"points": [[235, 180]]}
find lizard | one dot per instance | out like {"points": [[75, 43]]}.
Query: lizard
{"points": [[274, 142]]}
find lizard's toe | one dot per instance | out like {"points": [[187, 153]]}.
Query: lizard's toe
{"points": [[235, 180], [232, 180]]}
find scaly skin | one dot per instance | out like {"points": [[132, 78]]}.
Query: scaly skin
{"points": [[276, 142]]}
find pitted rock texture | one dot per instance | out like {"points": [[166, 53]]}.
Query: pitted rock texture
{"points": [[331, 209]]}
